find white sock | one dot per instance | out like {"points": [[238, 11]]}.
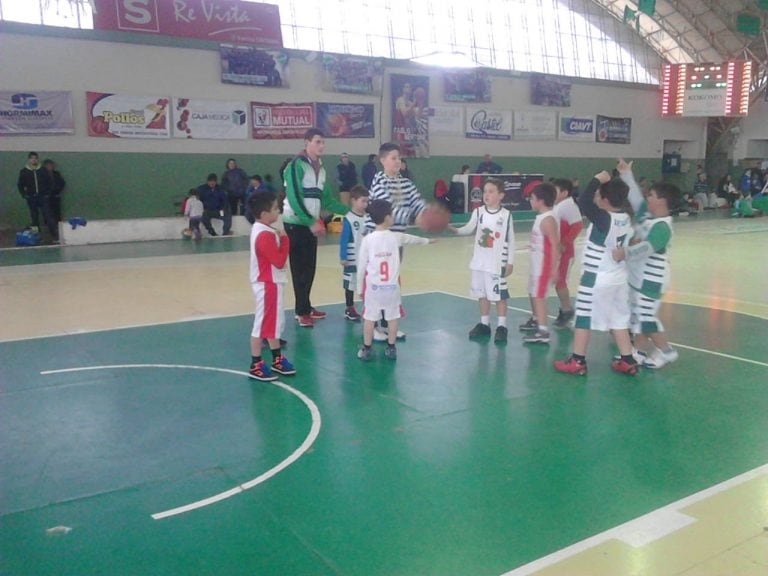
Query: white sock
{"points": [[503, 321], [486, 320]]}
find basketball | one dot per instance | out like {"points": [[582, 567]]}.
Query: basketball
{"points": [[435, 218]]}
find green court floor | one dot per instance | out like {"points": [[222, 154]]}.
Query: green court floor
{"points": [[461, 458]]}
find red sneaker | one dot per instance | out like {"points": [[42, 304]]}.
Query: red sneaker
{"points": [[624, 367], [571, 366], [316, 314], [306, 321], [260, 371]]}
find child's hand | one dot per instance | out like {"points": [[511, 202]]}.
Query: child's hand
{"points": [[622, 166], [318, 228], [618, 254], [603, 177], [508, 270], [452, 229]]}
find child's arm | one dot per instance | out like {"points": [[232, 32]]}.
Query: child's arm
{"points": [[589, 209], [510, 255], [187, 206], [346, 238], [469, 227], [274, 250], [657, 240], [635, 193], [362, 266], [549, 231], [404, 239]]}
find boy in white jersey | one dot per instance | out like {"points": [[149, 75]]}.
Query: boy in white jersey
{"points": [[269, 249], [603, 298], [647, 259], [545, 254], [402, 194], [569, 217], [492, 259], [379, 278], [352, 232]]}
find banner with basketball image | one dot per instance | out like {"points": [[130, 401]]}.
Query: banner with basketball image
{"points": [[345, 120], [517, 189], [410, 114], [281, 121], [121, 116], [211, 119]]}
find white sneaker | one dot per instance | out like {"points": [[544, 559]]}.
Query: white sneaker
{"points": [[379, 334], [640, 357], [658, 358]]}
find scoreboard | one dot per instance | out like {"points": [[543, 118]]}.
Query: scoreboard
{"points": [[706, 89]]}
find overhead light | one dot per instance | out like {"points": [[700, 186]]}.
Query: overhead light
{"points": [[446, 60]]}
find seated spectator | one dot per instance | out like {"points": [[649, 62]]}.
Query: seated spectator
{"points": [[464, 172], [488, 166], [704, 197], [726, 190], [215, 205]]}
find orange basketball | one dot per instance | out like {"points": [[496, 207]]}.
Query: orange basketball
{"points": [[435, 218]]}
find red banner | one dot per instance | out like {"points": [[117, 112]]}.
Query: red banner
{"points": [[281, 121], [219, 21]]}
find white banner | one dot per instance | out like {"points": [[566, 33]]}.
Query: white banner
{"points": [[119, 116], [576, 128], [446, 121], [33, 112], [489, 124], [213, 119], [535, 125]]}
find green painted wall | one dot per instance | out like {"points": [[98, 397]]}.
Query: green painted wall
{"points": [[133, 185]]}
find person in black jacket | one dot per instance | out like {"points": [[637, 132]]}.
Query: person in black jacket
{"points": [[58, 184], [234, 181], [346, 177], [215, 205], [35, 186]]}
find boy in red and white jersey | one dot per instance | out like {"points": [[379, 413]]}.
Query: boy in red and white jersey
{"points": [[571, 224]]}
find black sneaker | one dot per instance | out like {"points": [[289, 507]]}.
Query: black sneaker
{"points": [[480, 331], [501, 335], [529, 325], [564, 318]]}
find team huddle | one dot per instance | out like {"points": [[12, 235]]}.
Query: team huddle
{"points": [[624, 267]]}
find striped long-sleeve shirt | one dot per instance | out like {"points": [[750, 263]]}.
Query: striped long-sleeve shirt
{"points": [[402, 193]]}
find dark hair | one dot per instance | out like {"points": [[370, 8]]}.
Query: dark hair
{"points": [[49, 161], [230, 160], [193, 192], [312, 132], [615, 191], [563, 184], [35, 154], [545, 192], [388, 147], [257, 178], [465, 167], [261, 202], [371, 157], [379, 210], [268, 178], [357, 191], [212, 176], [496, 182], [669, 192]]}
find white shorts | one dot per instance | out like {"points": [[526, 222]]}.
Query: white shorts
{"points": [[349, 279], [644, 318], [603, 307], [377, 302], [492, 287], [269, 316]]}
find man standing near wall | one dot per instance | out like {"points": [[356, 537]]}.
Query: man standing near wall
{"points": [[306, 193], [36, 186], [488, 166]]}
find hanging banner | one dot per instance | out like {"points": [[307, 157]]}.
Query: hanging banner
{"points": [[281, 121], [613, 130], [577, 129], [118, 116], [212, 119], [467, 86], [446, 121], [345, 120], [535, 125], [32, 112], [352, 74], [550, 91], [254, 66], [489, 124], [219, 21], [517, 189], [410, 109]]}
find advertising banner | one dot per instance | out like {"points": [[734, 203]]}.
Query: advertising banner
{"points": [[467, 86], [489, 124], [550, 91], [352, 74], [118, 116], [576, 128], [345, 120], [535, 125], [33, 112], [410, 109], [613, 130], [517, 189], [446, 121], [253, 66], [219, 21], [281, 121], [212, 119]]}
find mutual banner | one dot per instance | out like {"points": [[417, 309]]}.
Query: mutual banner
{"points": [[467, 86], [489, 124], [352, 74], [446, 121], [576, 128], [517, 189], [614, 130], [212, 119], [119, 116], [410, 110], [219, 21], [281, 121], [345, 120], [535, 125], [254, 66], [33, 112]]}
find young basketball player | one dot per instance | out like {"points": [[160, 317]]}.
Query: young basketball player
{"points": [[569, 216], [269, 252], [352, 232]]}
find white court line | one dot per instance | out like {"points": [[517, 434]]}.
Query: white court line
{"points": [[314, 431], [629, 531]]}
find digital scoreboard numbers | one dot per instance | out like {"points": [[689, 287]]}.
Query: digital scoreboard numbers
{"points": [[706, 89]]}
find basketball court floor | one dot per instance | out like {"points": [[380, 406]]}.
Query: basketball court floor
{"points": [[132, 441]]}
